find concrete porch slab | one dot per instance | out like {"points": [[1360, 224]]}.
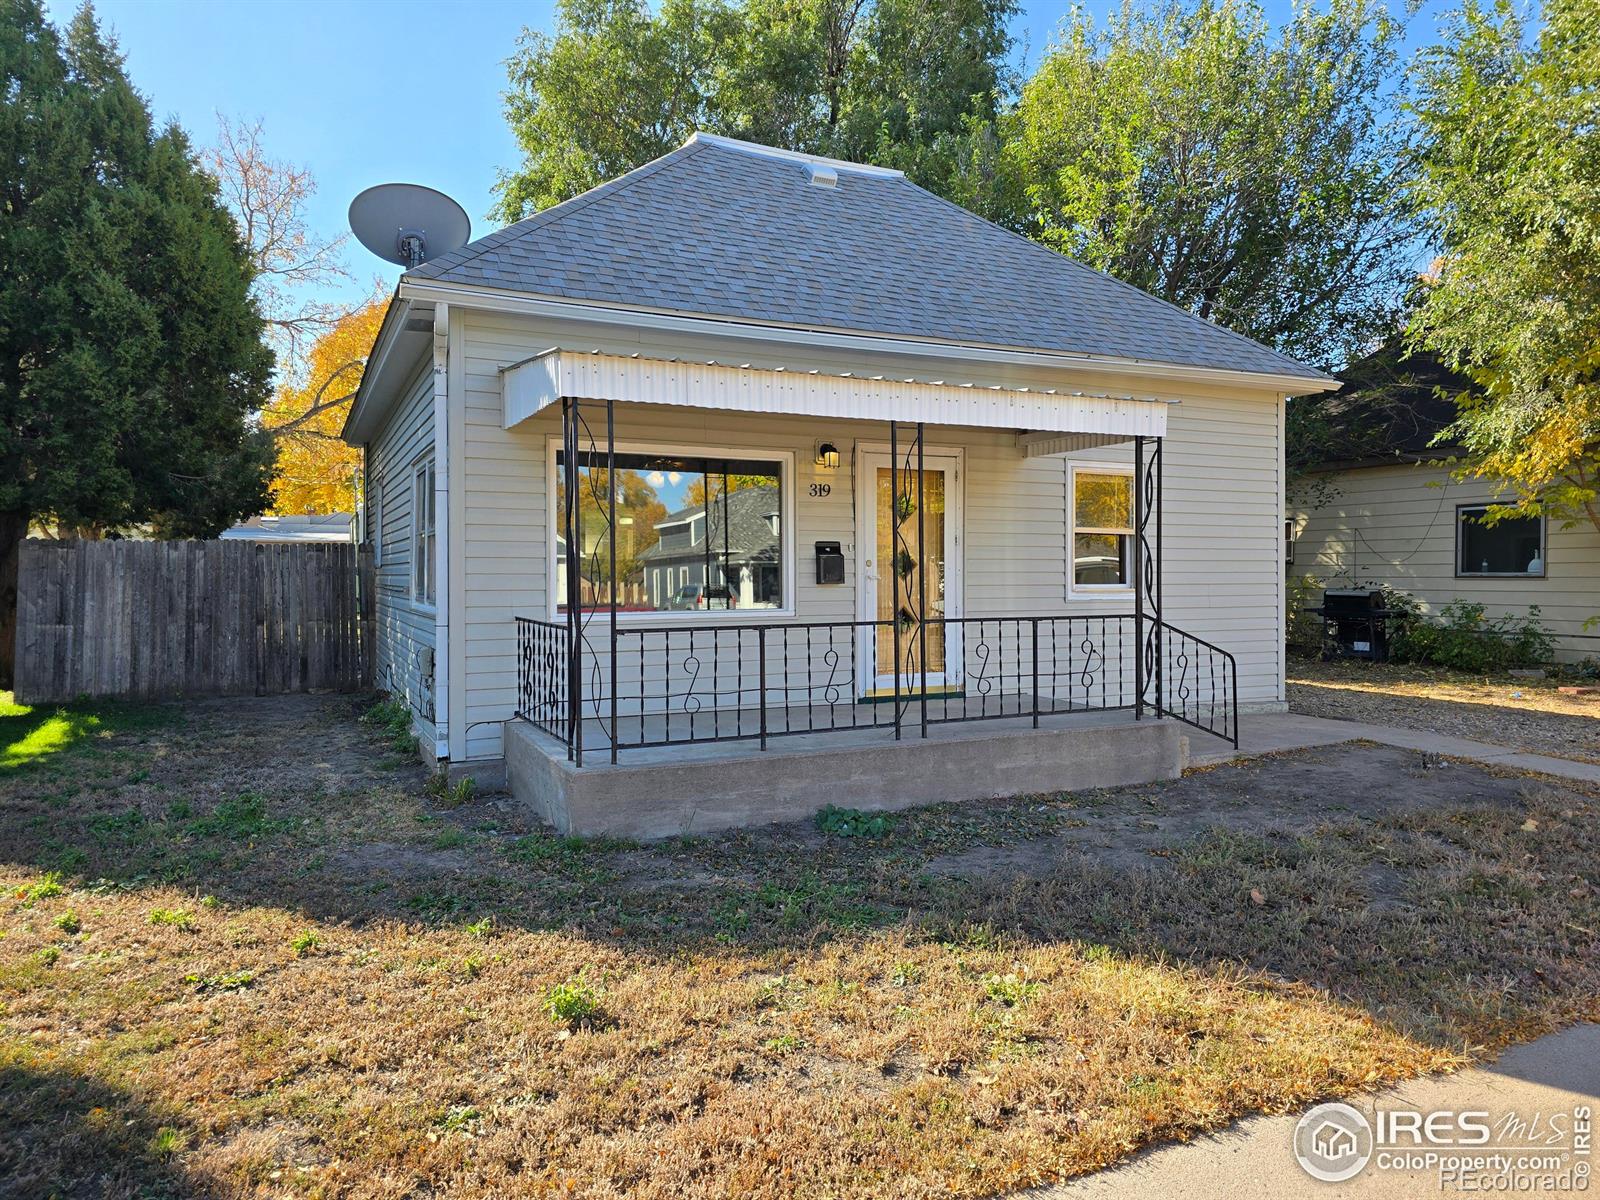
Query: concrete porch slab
{"points": [[679, 790]]}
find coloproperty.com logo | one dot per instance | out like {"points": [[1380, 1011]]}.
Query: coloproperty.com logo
{"points": [[1469, 1151]]}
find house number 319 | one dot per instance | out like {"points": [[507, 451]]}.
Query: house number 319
{"points": [[821, 489]]}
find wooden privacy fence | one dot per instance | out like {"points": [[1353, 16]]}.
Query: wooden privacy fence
{"points": [[186, 618]]}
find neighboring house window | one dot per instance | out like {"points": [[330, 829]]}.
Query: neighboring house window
{"points": [[424, 555], [1102, 527], [1510, 546], [685, 522]]}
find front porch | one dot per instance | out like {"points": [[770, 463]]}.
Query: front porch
{"points": [[678, 679], [674, 789]]}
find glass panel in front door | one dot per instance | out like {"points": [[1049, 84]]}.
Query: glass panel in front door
{"points": [[900, 574]]}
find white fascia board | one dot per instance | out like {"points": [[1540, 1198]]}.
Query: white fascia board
{"points": [[394, 321], [536, 383], [555, 308]]}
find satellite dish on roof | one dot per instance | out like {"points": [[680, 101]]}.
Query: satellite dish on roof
{"points": [[407, 223]]}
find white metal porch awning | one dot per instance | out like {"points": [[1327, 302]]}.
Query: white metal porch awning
{"points": [[1050, 421]]}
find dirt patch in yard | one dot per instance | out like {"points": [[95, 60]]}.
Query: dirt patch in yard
{"points": [[244, 953], [1132, 827], [1523, 714]]}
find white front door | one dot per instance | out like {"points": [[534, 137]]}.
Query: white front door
{"points": [[897, 598]]}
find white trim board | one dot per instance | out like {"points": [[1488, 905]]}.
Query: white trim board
{"points": [[530, 386]]}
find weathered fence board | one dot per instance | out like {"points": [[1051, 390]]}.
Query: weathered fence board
{"points": [[189, 618]]}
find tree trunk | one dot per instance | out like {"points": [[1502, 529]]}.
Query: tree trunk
{"points": [[13, 528]]}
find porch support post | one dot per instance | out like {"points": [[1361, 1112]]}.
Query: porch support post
{"points": [[894, 561], [611, 534], [922, 582], [1138, 578], [571, 530], [1160, 612]]}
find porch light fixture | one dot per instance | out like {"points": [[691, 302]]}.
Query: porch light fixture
{"points": [[827, 456]]}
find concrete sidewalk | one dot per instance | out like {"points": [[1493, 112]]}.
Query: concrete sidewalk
{"points": [[1267, 733], [1254, 1160]]}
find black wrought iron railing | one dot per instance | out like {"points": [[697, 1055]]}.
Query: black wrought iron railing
{"points": [[711, 681]]}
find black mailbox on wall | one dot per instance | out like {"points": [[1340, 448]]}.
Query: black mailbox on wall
{"points": [[830, 563]]}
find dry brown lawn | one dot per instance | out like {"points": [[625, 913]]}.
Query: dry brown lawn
{"points": [[245, 954], [1525, 714]]}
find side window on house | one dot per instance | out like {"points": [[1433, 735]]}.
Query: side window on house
{"points": [[1102, 527], [424, 560], [1510, 546], [693, 534]]}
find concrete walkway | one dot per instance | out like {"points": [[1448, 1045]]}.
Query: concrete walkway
{"points": [[1254, 1159], [1266, 733]]}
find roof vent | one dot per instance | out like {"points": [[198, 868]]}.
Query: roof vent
{"points": [[821, 175]]}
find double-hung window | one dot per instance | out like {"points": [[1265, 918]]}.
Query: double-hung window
{"points": [[1509, 546], [696, 532], [424, 547], [1102, 528]]}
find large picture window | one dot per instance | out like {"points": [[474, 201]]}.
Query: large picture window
{"points": [[1102, 528], [694, 533], [424, 555], [1509, 546]]}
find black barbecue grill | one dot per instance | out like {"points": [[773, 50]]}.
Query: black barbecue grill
{"points": [[1354, 624]]}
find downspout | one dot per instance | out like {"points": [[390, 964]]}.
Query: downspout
{"points": [[441, 532]]}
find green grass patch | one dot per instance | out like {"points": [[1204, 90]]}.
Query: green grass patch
{"points": [[35, 734]]}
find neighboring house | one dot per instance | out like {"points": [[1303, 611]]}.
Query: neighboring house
{"points": [[330, 527], [725, 555], [800, 328], [1380, 509]]}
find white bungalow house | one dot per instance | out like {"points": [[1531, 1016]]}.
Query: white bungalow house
{"points": [[950, 516]]}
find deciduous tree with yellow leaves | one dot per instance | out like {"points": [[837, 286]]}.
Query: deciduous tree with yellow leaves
{"points": [[317, 471]]}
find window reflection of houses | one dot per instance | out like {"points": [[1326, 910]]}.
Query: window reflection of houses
{"points": [[727, 557]]}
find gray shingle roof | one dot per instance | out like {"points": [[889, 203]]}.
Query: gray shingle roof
{"points": [[717, 230]]}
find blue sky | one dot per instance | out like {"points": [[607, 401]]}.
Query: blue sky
{"points": [[337, 84]]}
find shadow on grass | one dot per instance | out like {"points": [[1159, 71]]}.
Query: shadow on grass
{"points": [[33, 734], [62, 1134], [1419, 897]]}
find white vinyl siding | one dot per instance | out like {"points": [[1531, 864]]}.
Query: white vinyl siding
{"points": [[1223, 514], [1395, 526], [405, 634]]}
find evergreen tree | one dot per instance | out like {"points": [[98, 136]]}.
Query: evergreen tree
{"points": [[131, 354]]}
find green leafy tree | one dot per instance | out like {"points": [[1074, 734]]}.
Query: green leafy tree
{"points": [[132, 355], [1252, 177], [1510, 180], [897, 82]]}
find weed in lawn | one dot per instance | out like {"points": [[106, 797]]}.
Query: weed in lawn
{"points": [[177, 918], [49, 956], [906, 974], [458, 1118], [46, 887], [811, 900], [574, 1004], [575, 858], [1009, 990], [786, 1043], [169, 1140], [449, 839], [239, 819], [304, 942], [227, 981], [393, 719], [68, 922], [179, 810], [472, 966], [852, 822], [450, 795], [482, 928]]}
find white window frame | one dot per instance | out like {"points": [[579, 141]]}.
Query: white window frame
{"points": [[784, 460], [424, 533], [1083, 590], [1484, 506]]}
